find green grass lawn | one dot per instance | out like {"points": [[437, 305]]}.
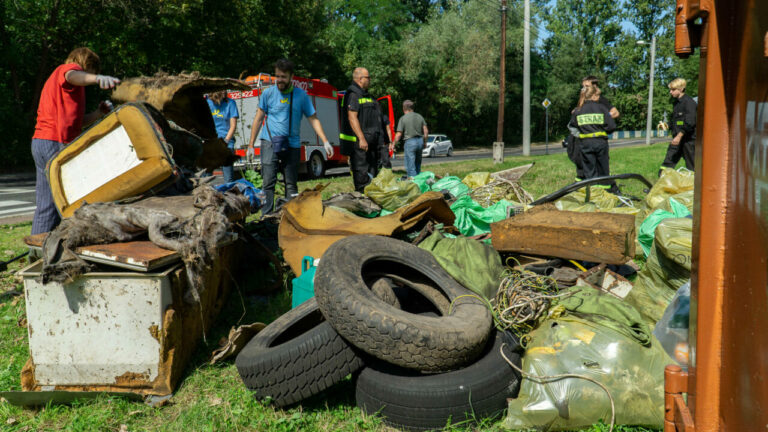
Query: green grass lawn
{"points": [[212, 398]]}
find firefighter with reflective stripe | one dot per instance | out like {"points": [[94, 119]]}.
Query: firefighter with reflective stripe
{"points": [[361, 129], [683, 130], [594, 122]]}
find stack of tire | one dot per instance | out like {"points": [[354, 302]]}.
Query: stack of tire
{"points": [[420, 346]]}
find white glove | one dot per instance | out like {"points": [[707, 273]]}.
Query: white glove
{"points": [[106, 81], [249, 153], [328, 149]]}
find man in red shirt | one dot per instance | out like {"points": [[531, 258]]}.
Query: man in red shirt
{"points": [[60, 118]]}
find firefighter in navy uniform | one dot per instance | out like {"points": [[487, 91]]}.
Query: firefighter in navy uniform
{"points": [[683, 127], [594, 122], [360, 129]]}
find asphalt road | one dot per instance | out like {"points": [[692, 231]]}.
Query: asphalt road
{"points": [[17, 192]]}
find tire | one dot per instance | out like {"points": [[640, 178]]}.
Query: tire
{"points": [[296, 356], [316, 165], [416, 401], [432, 153], [450, 152], [386, 332]]}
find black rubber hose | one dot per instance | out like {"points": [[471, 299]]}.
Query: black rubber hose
{"points": [[578, 185]]}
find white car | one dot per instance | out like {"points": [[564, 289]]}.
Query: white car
{"points": [[437, 145]]}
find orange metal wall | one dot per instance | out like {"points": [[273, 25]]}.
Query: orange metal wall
{"points": [[727, 380]]}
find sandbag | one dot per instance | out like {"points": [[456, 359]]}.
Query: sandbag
{"points": [[388, 191], [633, 373], [668, 267], [472, 219], [475, 265], [452, 184]]}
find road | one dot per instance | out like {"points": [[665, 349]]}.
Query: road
{"points": [[17, 193], [17, 199]]}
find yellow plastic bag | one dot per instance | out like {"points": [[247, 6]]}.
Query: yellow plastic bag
{"points": [[600, 200], [668, 267], [633, 374], [389, 192], [477, 179], [670, 183]]}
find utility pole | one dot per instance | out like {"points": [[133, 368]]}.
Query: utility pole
{"points": [[527, 80], [500, 123], [649, 119], [498, 146]]}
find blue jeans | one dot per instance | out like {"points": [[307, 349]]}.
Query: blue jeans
{"points": [[271, 163], [46, 215], [229, 171], [412, 153]]}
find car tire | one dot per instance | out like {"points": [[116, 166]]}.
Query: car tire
{"points": [[450, 152], [296, 356], [421, 401], [432, 153], [386, 332], [316, 165]]}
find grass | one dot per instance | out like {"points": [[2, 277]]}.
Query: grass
{"points": [[212, 398]]}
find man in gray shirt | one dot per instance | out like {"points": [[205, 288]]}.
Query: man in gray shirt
{"points": [[413, 129]]}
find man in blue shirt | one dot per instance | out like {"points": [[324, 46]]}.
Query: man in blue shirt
{"points": [[224, 112], [283, 105]]}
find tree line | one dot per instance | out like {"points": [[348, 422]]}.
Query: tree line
{"points": [[443, 54]]}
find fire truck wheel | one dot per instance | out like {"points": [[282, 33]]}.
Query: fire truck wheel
{"points": [[413, 400], [298, 355], [401, 337], [316, 165]]}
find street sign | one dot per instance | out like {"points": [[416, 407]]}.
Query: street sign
{"points": [[546, 103]]}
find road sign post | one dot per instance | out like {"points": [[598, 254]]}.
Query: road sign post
{"points": [[546, 104]]}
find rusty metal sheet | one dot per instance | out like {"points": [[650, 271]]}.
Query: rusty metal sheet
{"points": [[135, 255], [596, 237]]}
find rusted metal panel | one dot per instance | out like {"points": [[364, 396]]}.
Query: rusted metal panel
{"points": [[596, 237], [727, 388]]}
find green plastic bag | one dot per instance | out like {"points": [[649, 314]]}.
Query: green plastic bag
{"points": [[424, 179], [646, 232], [633, 373], [452, 184], [668, 267], [472, 219], [684, 198], [473, 264], [477, 179], [606, 310], [670, 183], [389, 192]]}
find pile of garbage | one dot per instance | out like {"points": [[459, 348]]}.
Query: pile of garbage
{"points": [[445, 310], [448, 300]]}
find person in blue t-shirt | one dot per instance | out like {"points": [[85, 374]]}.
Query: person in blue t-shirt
{"points": [[283, 105], [224, 112]]}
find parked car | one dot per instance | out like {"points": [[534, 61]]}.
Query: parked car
{"points": [[438, 145]]}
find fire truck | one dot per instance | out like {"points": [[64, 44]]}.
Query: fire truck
{"points": [[327, 101]]}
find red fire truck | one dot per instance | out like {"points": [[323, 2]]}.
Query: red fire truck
{"points": [[327, 101]]}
